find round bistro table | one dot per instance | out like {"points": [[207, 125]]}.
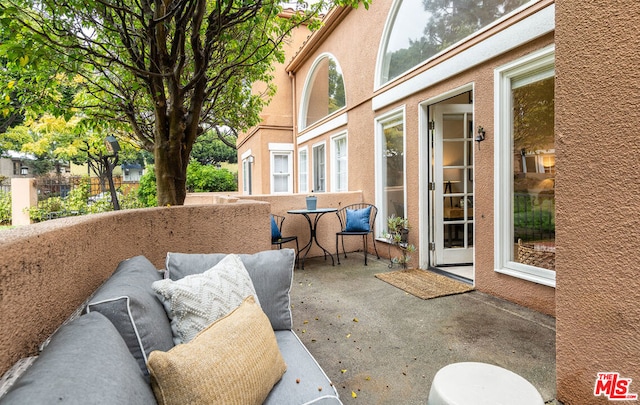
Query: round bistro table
{"points": [[481, 384]]}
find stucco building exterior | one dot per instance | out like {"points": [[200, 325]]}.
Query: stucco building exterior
{"points": [[505, 136]]}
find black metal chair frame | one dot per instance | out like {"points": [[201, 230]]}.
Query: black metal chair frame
{"points": [[342, 216], [284, 239]]}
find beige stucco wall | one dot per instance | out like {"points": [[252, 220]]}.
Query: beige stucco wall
{"points": [[48, 269], [526, 293], [597, 121], [357, 58], [277, 120], [23, 197]]}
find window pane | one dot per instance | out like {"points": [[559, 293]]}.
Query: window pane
{"points": [[325, 94], [281, 173], [245, 176], [280, 183], [393, 169], [421, 29], [280, 164], [534, 174], [340, 148], [302, 172], [318, 168]]}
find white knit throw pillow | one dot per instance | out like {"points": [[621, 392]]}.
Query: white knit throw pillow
{"points": [[194, 302]]}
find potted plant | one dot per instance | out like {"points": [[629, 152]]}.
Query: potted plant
{"points": [[398, 235], [312, 202], [398, 228]]}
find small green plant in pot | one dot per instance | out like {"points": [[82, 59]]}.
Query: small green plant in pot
{"points": [[398, 235]]}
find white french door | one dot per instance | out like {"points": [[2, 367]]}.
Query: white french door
{"points": [[453, 184]]}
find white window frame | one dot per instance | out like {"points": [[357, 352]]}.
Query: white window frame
{"points": [[520, 33], [336, 184], [535, 66], [306, 92], [315, 169], [279, 149], [381, 218], [303, 170], [247, 159]]}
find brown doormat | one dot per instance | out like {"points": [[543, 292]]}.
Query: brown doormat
{"points": [[424, 284]]}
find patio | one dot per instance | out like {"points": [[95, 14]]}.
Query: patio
{"points": [[385, 345]]}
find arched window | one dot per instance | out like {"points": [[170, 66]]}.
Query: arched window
{"points": [[419, 29], [324, 91]]}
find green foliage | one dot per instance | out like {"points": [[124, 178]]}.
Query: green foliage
{"points": [[203, 178], [130, 201], [5, 207], [77, 198], [397, 232], [534, 116], [44, 208], [147, 188], [208, 149], [31, 81], [200, 178], [77, 202], [534, 217], [143, 57]]}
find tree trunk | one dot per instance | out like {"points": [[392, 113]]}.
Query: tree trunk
{"points": [[171, 161]]}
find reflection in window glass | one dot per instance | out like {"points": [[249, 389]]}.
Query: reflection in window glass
{"points": [[303, 183], [319, 172], [393, 168], [421, 29], [246, 177], [534, 172], [325, 94], [340, 164]]}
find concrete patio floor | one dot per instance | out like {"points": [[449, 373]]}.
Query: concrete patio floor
{"points": [[385, 345]]}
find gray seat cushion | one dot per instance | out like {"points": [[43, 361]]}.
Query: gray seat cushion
{"points": [[130, 303], [301, 382], [86, 362], [271, 272]]}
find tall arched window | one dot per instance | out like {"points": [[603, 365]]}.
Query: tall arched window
{"points": [[324, 91], [419, 29]]}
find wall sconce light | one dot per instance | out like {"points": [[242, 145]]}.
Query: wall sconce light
{"points": [[24, 170], [481, 134], [250, 159]]}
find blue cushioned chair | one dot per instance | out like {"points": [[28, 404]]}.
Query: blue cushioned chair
{"points": [[276, 234], [357, 220]]}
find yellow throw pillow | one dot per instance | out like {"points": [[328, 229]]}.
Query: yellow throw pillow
{"points": [[235, 360]]}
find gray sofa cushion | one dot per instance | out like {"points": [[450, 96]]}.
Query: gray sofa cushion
{"points": [[86, 362], [196, 301], [301, 382], [130, 303], [271, 272]]}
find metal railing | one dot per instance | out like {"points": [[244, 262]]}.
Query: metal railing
{"points": [[534, 217]]}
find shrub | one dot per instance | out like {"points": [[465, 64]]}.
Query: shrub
{"points": [[200, 178], [203, 178], [5, 207], [147, 189]]}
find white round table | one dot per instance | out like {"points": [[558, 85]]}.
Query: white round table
{"points": [[481, 384]]}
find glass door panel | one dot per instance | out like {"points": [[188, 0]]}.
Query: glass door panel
{"points": [[453, 176]]}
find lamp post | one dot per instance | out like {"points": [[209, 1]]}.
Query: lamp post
{"points": [[110, 162]]}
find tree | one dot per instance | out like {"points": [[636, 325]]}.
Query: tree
{"points": [[209, 149], [29, 84], [167, 70], [53, 140]]}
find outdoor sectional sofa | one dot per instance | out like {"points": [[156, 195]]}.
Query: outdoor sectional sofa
{"points": [[122, 349]]}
